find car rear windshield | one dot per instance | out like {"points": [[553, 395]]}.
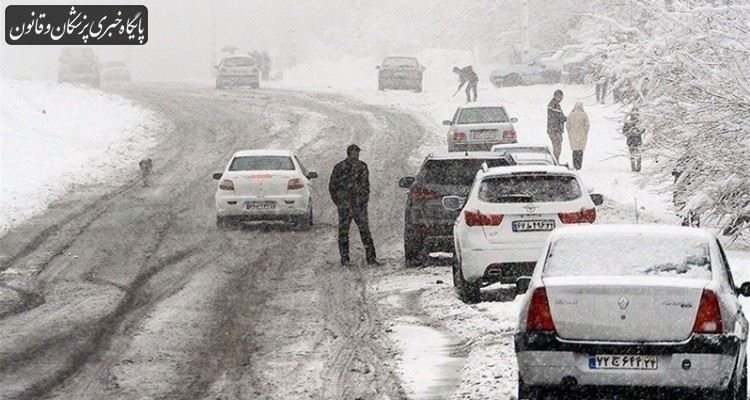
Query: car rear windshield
{"points": [[482, 115], [400, 62], [537, 188], [239, 62], [262, 163], [460, 172], [629, 255], [531, 156]]}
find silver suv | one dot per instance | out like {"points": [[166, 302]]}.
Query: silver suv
{"points": [[428, 226]]}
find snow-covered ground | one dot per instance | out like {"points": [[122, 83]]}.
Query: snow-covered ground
{"points": [[486, 328], [54, 136]]}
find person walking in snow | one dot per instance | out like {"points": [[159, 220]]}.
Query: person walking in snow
{"points": [[349, 188], [556, 123], [634, 138], [601, 79], [467, 77], [578, 133]]}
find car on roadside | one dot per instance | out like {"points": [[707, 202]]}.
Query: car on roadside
{"points": [[78, 65], [428, 226], [478, 127], [535, 72], [506, 219], [527, 154], [646, 308], [264, 185], [404, 73], [237, 70], [115, 71]]}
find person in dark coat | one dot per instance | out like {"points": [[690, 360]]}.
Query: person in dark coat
{"points": [[349, 187], [467, 77], [556, 123], [634, 139]]}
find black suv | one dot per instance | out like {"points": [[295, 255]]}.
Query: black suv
{"points": [[428, 226], [400, 73]]}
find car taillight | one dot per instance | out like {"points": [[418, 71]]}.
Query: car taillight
{"points": [[459, 136], [226, 184], [477, 218], [579, 217], [295, 184], [539, 317], [419, 193], [509, 134], [708, 319]]}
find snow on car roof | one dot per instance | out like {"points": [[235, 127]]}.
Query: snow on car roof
{"points": [[470, 154], [515, 169], [481, 105], [651, 229], [510, 146], [239, 56], [262, 152]]}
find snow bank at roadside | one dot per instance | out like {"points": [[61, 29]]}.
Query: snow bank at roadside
{"points": [[53, 136]]}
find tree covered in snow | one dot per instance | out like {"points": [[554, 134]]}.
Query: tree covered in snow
{"points": [[685, 64]]}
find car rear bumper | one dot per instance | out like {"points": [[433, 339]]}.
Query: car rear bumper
{"points": [[478, 146], [285, 206], [545, 360], [237, 79], [480, 262], [400, 83]]}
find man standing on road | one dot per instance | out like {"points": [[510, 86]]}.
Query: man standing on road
{"points": [[467, 77], [555, 123], [349, 187]]}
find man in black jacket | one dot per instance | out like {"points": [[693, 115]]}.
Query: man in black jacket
{"points": [[556, 123], [467, 77], [349, 187]]}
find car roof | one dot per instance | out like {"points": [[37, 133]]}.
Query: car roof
{"points": [[613, 229], [511, 146], [409, 57], [480, 105], [263, 152], [467, 155], [516, 169], [238, 56]]}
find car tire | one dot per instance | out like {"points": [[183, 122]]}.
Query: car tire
{"points": [[413, 254], [227, 223], [468, 292], [526, 392], [305, 222]]}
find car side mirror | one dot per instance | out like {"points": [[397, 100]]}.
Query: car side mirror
{"points": [[447, 122], [453, 203], [312, 175], [217, 175], [745, 289], [514, 120], [522, 284], [597, 199], [406, 182]]}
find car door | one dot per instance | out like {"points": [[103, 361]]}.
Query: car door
{"points": [[741, 320]]}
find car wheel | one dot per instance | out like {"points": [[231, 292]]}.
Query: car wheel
{"points": [[227, 223], [413, 255], [468, 292], [512, 80], [529, 392], [741, 393]]}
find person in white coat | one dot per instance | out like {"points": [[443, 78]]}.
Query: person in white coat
{"points": [[578, 133]]}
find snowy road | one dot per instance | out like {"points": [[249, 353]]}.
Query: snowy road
{"points": [[133, 293]]}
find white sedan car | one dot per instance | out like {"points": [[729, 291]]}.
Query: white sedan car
{"points": [[478, 126], [506, 219], [527, 154], [624, 307], [264, 185]]}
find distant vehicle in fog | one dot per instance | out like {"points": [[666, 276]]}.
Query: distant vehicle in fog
{"points": [[115, 71], [78, 65], [477, 126], [237, 70], [534, 73], [527, 154], [400, 73]]}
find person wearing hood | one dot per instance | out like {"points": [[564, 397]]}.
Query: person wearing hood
{"points": [[578, 133]]}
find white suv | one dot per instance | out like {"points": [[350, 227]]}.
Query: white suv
{"points": [[509, 213], [264, 185], [644, 307]]}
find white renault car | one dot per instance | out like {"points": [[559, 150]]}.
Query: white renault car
{"points": [[478, 126], [624, 307], [527, 154], [264, 185], [506, 219]]}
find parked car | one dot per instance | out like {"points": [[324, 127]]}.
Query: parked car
{"points": [[115, 71], [506, 219], [400, 73], [428, 226], [264, 185], [570, 60], [527, 154], [618, 307], [479, 127], [532, 73], [78, 65], [237, 70]]}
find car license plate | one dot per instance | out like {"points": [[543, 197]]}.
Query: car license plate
{"points": [[632, 361], [533, 226], [484, 135], [260, 205]]}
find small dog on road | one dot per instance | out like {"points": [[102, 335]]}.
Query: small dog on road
{"points": [[146, 166]]}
